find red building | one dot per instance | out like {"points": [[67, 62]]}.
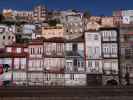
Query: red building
{"points": [[19, 55]]}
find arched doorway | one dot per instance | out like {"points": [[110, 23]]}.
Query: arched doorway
{"points": [[112, 82]]}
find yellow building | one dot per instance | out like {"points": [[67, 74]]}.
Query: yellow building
{"points": [[107, 21], [7, 13], [53, 31]]}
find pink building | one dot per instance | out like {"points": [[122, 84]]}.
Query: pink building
{"points": [[35, 63], [54, 61]]}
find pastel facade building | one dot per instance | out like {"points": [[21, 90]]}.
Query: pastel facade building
{"points": [[7, 13], [108, 21], [51, 32], [74, 26], [54, 61], [74, 62], [19, 55], [35, 63], [93, 57]]}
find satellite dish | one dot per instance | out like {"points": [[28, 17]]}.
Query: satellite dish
{"points": [[126, 20]]}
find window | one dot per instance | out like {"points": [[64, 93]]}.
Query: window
{"points": [[9, 37], [32, 51], [90, 64], [128, 53], [96, 50], [80, 64], [69, 64], [109, 35], [4, 37], [69, 47], [114, 49], [16, 63], [75, 47], [25, 50], [39, 50], [75, 62], [23, 63], [59, 48], [89, 37], [90, 52], [30, 64], [114, 66], [107, 68], [96, 64], [9, 49], [40, 63], [72, 76], [95, 37], [18, 50], [114, 36]]}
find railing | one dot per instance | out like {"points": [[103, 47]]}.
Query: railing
{"points": [[46, 82]]}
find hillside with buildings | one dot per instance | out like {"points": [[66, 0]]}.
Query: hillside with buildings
{"points": [[65, 48]]}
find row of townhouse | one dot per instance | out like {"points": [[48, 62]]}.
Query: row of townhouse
{"points": [[41, 62], [89, 59]]}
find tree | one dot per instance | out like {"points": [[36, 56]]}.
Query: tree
{"points": [[1, 17], [53, 22]]}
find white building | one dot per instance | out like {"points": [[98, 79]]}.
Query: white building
{"points": [[74, 26], [65, 13], [93, 57], [74, 56], [6, 39], [110, 55], [93, 52], [29, 30]]}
